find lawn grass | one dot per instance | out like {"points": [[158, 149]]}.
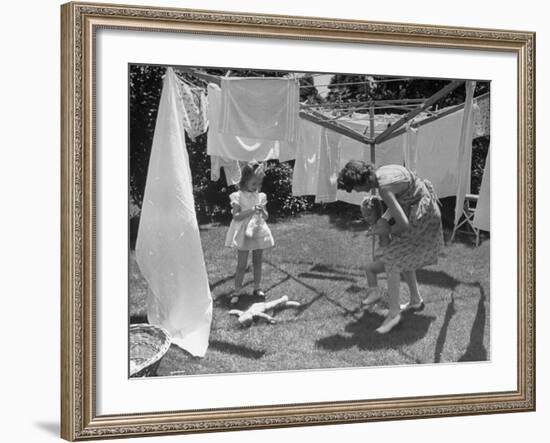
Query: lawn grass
{"points": [[318, 260]]}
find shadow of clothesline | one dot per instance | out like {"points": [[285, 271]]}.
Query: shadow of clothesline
{"points": [[234, 349], [442, 336], [476, 349]]}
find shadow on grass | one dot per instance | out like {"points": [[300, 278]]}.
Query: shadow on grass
{"points": [[439, 279], [412, 328], [476, 349], [315, 276], [442, 337], [233, 349]]}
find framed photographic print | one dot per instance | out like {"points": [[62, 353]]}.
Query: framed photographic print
{"points": [[282, 221]]}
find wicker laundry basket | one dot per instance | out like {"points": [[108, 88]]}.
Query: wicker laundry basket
{"points": [[148, 344]]}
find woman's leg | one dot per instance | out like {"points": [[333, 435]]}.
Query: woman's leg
{"points": [[410, 279], [242, 261], [373, 292], [394, 316], [257, 264], [373, 269]]}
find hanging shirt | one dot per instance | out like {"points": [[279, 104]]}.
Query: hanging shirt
{"points": [[194, 108], [234, 147], [232, 170], [168, 248], [262, 108]]}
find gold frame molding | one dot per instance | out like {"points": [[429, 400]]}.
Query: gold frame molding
{"points": [[79, 22]]}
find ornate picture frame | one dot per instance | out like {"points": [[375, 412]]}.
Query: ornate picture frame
{"points": [[80, 22]]}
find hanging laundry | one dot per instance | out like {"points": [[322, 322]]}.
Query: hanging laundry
{"points": [[329, 166], [262, 108], [168, 248], [194, 110], [482, 120], [232, 170], [410, 147], [240, 148], [437, 150], [464, 166], [305, 177], [482, 214]]}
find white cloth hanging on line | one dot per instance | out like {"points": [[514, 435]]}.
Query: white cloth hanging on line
{"points": [[305, 176], [464, 166], [410, 147], [482, 214], [232, 170], [168, 248], [233, 147], [262, 108], [329, 166]]}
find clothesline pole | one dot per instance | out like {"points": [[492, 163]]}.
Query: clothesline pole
{"points": [[372, 160]]}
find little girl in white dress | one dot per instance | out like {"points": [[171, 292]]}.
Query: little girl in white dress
{"points": [[248, 230]]}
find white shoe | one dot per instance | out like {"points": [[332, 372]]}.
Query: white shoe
{"points": [[374, 295], [389, 324]]}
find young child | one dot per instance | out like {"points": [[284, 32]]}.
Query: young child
{"points": [[372, 211], [248, 230]]}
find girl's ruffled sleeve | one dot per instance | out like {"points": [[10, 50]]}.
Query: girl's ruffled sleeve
{"points": [[234, 199]]}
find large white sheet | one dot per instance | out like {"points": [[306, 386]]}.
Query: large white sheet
{"points": [[168, 248]]}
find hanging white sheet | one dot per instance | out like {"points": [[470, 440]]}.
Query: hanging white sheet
{"points": [[263, 108], [464, 166], [240, 148], [482, 214], [305, 177], [232, 169], [168, 248]]}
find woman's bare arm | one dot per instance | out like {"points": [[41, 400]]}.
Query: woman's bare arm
{"points": [[401, 220]]}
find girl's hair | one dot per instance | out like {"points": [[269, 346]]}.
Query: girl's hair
{"points": [[355, 172], [373, 203], [250, 170]]}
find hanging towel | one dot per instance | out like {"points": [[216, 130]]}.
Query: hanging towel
{"points": [[410, 145], [232, 169], [241, 148], [168, 248], [329, 164], [482, 215], [263, 108], [464, 166], [305, 177]]}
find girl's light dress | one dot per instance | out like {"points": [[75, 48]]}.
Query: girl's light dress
{"points": [[236, 238]]}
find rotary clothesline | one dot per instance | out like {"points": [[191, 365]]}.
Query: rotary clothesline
{"points": [[168, 247]]}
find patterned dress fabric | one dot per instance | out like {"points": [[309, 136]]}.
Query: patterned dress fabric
{"points": [[422, 243]]}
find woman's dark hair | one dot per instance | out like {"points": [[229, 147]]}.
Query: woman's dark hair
{"points": [[248, 171], [355, 172]]}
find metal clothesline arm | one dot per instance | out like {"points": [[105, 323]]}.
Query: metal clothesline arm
{"points": [[410, 115]]}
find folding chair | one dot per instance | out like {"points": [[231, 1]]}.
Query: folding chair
{"points": [[466, 221]]}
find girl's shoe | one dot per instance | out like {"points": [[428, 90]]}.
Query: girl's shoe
{"points": [[419, 306], [235, 298], [258, 293], [389, 324], [374, 295]]}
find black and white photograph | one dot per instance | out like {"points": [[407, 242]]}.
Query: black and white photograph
{"points": [[301, 220]]}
